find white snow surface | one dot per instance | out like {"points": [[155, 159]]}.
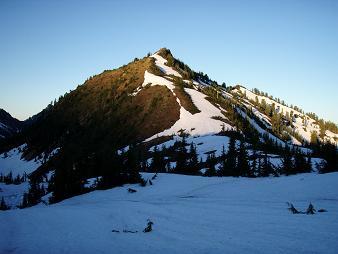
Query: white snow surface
{"points": [[294, 141], [199, 123], [203, 144], [92, 182], [13, 194], [13, 162], [154, 80], [191, 214], [160, 62]]}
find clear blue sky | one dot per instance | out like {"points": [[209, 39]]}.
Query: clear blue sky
{"points": [[286, 48]]}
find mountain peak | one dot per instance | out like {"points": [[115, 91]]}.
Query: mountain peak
{"points": [[164, 52]]}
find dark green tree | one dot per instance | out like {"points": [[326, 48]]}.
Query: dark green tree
{"points": [[193, 168], [223, 159], [300, 165], [34, 193], [24, 202], [210, 165], [181, 158], [309, 163], [266, 168], [253, 167], [329, 153], [67, 178], [287, 163], [229, 164], [112, 170], [243, 167], [158, 163], [3, 205]]}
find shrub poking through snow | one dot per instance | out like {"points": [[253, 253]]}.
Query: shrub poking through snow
{"points": [[148, 227], [150, 182], [292, 208], [143, 182], [130, 190], [154, 177], [310, 209]]}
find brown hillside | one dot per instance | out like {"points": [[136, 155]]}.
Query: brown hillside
{"points": [[101, 112]]}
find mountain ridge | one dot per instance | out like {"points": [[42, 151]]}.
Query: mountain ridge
{"points": [[9, 125], [111, 126]]}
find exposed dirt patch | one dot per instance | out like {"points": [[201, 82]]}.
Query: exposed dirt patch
{"points": [[159, 110]]}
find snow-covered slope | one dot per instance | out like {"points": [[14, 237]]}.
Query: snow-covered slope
{"points": [[153, 80], [12, 161], [161, 63], [200, 123], [191, 214], [302, 124]]}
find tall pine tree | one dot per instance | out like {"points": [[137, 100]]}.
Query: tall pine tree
{"points": [[287, 163], [193, 168], [229, 165], [243, 167]]}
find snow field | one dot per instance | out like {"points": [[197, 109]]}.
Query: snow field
{"points": [[191, 214], [15, 164]]}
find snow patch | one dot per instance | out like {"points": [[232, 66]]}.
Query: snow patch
{"points": [[160, 63], [154, 80], [200, 123], [12, 161]]}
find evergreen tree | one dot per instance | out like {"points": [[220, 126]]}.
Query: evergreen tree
{"points": [[329, 153], [24, 202], [287, 164], [34, 193], [193, 160], [222, 169], [314, 138], [292, 209], [253, 167], [3, 205], [132, 162], [112, 169], [300, 165], [130, 167], [309, 163], [210, 164], [310, 209], [181, 158], [157, 162], [243, 167], [229, 166], [9, 178], [67, 178], [266, 168]]}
